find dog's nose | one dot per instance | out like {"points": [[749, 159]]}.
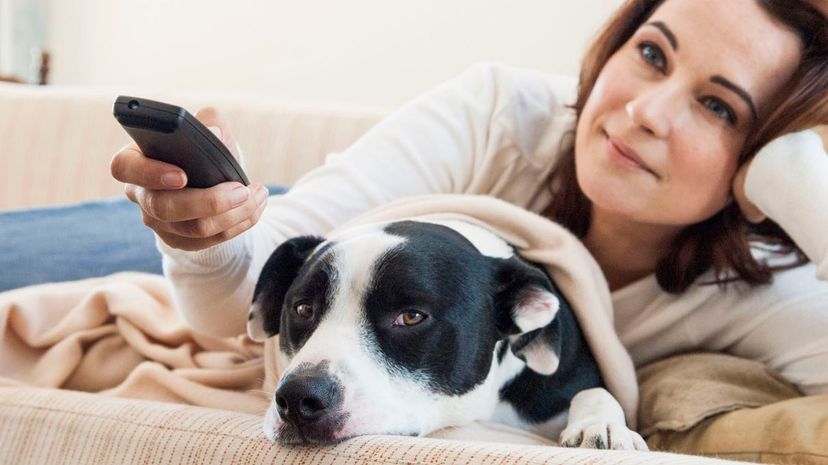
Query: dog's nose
{"points": [[307, 397]]}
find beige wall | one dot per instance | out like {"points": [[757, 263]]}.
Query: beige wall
{"points": [[380, 52]]}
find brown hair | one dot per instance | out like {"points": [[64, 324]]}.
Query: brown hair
{"points": [[722, 242]]}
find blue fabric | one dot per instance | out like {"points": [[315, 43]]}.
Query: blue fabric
{"points": [[76, 242]]}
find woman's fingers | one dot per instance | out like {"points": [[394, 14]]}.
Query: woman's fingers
{"points": [[822, 131], [130, 166], [214, 121], [214, 217], [192, 244], [750, 211], [190, 204]]}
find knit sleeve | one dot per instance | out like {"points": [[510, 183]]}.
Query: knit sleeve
{"points": [[784, 324], [435, 144], [788, 181]]}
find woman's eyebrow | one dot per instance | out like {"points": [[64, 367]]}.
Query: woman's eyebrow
{"points": [[742, 93], [666, 31], [720, 80]]}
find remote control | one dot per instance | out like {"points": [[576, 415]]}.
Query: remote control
{"points": [[171, 134]]}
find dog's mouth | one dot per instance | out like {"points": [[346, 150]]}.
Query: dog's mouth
{"points": [[296, 435], [292, 435], [327, 432]]}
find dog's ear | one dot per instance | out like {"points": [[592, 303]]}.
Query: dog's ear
{"points": [[526, 306], [274, 281]]}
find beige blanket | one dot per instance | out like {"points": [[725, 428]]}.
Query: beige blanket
{"points": [[120, 335]]}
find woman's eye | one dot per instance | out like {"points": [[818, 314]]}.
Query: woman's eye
{"points": [[720, 109], [653, 55], [304, 311], [409, 318]]}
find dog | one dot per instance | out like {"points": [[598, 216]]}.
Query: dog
{"points": [[411, 326]]}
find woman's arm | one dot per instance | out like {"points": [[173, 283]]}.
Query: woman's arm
{"points": [[788, 182], [784, 324], [435, 144]]}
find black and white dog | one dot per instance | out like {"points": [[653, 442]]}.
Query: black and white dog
{"points": [[411, 326]]}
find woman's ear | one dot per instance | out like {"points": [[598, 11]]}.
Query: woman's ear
{"points": [[750, 211], [274, 281]]}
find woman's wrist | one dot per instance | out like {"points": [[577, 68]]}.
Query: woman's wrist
{"points": [[209, 258], [785, 162], [787, 182]]}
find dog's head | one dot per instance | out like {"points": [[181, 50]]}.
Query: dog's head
{"points": [[392, 329]]}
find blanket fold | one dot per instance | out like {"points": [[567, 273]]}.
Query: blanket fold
{"points": [[120, 335]]}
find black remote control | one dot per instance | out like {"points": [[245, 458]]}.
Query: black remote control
{"points": [[171, 134]]}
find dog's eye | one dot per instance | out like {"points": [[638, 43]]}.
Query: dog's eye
{"points": [[304, 310], [409, 318]]}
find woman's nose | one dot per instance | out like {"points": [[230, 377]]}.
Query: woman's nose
{"points": [[655, 111]]}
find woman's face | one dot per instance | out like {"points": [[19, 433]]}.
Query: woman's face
{"points": [[659, 138]]}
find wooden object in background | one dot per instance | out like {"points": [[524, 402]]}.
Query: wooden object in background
{"points": [[43, 72]]}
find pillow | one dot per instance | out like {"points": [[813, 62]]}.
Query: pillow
{"points": [[74, 242], [722, 406]]}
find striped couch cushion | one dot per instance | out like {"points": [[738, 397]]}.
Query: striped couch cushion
{"points": [[55, 426]]}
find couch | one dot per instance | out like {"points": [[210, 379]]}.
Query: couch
{"points": [[55, 145]]}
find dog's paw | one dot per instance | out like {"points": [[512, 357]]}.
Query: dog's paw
{"points": [[599, 434]]}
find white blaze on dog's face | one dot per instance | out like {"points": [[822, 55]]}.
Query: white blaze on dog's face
{"points": [[391, 329]]}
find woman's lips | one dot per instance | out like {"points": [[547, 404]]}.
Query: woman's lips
{"points": [[626, 156]]}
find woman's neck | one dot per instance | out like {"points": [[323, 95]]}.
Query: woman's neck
{"points": [[626, 251]]}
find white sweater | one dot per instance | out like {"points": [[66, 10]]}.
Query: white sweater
{"points": [[497, 130]]}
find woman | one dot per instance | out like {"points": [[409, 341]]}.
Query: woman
{"points": [[656, 169]]}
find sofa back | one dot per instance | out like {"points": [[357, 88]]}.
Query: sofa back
{"points": [[56, 143]]}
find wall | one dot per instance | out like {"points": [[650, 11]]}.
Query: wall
{"points": [[378, 52]]}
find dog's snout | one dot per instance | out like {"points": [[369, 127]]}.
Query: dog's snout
{"points": [[307, 397]]}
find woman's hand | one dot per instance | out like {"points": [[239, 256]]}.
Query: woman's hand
{"points": [[822, 131], [189, 218], [793, 141]]}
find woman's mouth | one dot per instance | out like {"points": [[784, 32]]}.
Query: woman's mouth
{"points": [[625, 156]]}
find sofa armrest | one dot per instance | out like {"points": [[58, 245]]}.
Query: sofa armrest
{"points": [[58, 426]]}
